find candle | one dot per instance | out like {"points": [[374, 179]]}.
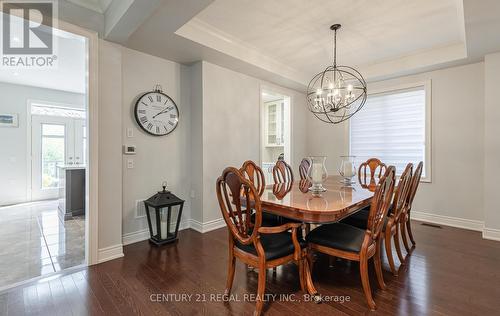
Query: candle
{"points": [[163, 227], [317, 173], [329, 98]]}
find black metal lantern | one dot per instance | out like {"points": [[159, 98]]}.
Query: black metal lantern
{"points": [[164, 204]]}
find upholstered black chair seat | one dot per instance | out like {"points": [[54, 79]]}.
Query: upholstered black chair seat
{"points": [[338, 236], [360, 218], [275, 245], [268, 220]]}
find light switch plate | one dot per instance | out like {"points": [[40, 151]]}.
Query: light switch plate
{"points": [[130, 163]]}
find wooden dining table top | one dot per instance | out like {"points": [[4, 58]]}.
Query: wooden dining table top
{"points": [[294, 201]]}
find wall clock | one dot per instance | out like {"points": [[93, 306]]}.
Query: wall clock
{"points": [[156, 113]]}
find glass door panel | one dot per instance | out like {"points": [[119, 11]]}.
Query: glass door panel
{"points": [[51, 146], [53, 153]]}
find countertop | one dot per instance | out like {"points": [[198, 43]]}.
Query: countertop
{"points": [[72, 167]]}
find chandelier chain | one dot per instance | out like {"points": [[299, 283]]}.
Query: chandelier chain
{"points": [[335, 48]]}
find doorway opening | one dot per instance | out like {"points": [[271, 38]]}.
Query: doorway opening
{"points": [[44, 162], [275, 131], [58, 138]]}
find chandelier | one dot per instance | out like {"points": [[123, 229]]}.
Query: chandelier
{"points": [[338, 92]]}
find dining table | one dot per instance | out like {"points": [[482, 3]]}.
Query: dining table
{"points": [[293, 200]]}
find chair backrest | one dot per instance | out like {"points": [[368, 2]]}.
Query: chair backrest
{"points": [[280, 190], [304, 168], [374, 168], [304, 185], [237, 197], [415, 181], [282, 172], [381, 202], [252, 172], [402, 191]]}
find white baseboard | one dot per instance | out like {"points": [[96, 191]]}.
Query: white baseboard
{"points": [[132, 238], [491, 234], [448, 221], [109, 253], [141, 235], [207, 226]]}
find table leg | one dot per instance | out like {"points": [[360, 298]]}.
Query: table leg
{"points": [[311, 290], [308, 228]]}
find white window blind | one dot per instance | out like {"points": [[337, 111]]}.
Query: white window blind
{"points": [[392, 127]]}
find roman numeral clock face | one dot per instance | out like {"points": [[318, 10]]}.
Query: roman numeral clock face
{"points": [[156, 113]]}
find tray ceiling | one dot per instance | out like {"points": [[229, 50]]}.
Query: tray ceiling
{"points": [[296, 33]]}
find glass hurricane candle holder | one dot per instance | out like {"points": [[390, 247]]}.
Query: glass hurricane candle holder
{"points": [[317, 173], [347, 169]]}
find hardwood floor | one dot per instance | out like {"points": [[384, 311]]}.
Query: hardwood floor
{"points": [[450, 272]]}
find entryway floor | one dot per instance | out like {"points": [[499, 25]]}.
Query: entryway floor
{"points": [[35, 241]]}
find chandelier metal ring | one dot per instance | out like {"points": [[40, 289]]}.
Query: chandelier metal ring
{"points": [[338, 92]]}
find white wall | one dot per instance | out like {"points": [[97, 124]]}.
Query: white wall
{"points": [[194, 77], [124, 74], [231, 126], [231, 130], [110, 140], [13, 149], [158, 159], [220, 126], [457, 141], [492, 147]]}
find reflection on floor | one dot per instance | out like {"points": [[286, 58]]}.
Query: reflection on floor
{"points": [[34, 241]]}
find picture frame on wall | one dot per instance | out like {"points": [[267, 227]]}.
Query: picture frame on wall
{"points": [[9, 120]]}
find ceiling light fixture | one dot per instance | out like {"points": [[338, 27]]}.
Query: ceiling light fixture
{"points": [[338, 92]]}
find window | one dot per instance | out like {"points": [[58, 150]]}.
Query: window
{"points": [[53, 110], [394, 126]]}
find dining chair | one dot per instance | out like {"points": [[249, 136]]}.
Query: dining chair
{"points": [[253, 173], [280, 190], [374, 168], [304, 168], [282, 172], [352, 243], [405, 220], [391, 228], [255, 245], [369, 173]]}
